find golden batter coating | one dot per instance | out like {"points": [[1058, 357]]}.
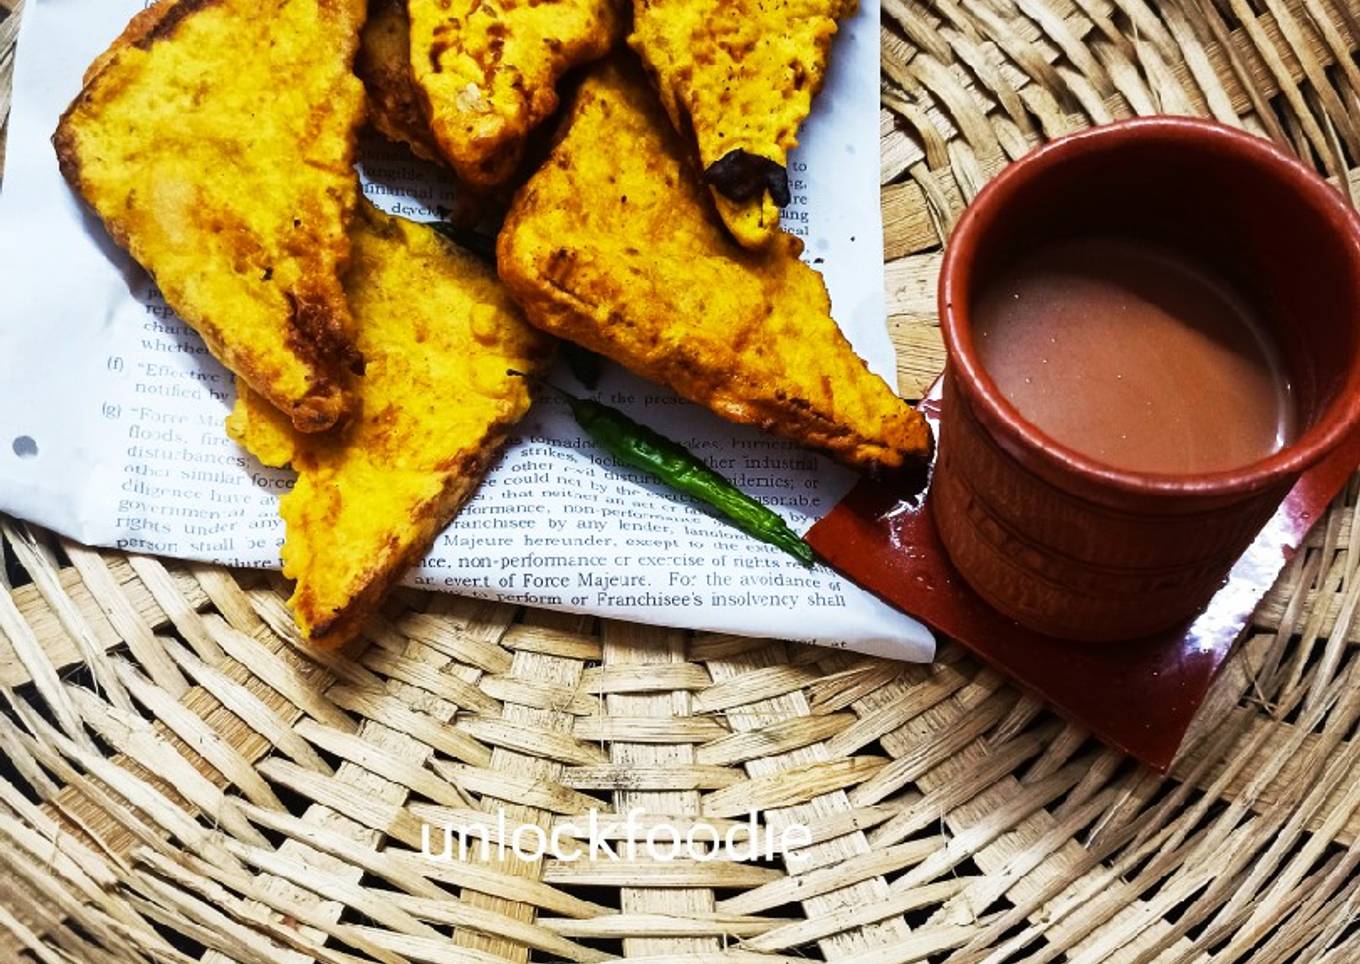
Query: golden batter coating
{"points": [[739, 77], [216, 141], [488, 71], [384, 65], [435, 405], [613, 245]]}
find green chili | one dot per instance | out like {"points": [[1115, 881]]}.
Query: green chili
{"points": [[642, 448]]}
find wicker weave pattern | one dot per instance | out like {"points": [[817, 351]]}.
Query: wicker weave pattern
{"points": [[187, 782]]}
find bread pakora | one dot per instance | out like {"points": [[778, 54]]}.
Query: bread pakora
{"points": [[487, 72], [216, 139], [384, 65], [739, 77], [613, 245], [434, 406]]}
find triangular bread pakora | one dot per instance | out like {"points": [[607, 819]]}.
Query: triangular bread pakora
{"points": [[614, 245], [488, 71], [215, 139], [739, 77], [434, 407]]}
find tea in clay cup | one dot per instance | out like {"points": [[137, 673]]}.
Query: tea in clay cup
{"points": [[1152, 328]]}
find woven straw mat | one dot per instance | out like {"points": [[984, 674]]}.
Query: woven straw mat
{"points": [[186, 783]]}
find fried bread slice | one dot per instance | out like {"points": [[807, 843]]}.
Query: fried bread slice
{"points": [[614, 245], [488, 72], [216, 139], [739, 77], [434, 407], [384, 65]]}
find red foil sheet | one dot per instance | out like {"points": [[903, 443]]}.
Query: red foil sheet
{"points": [[1138, 696]]}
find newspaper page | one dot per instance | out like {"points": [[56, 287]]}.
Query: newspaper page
{"points": [[111, 427]]}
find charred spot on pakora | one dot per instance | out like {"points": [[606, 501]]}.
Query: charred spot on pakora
{"points": [[742, 176]]}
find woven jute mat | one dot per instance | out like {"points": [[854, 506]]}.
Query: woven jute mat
{"points": [[187, 783]]}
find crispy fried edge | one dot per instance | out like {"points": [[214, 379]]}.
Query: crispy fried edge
{"points": [[395, 108], [339, 626]]}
